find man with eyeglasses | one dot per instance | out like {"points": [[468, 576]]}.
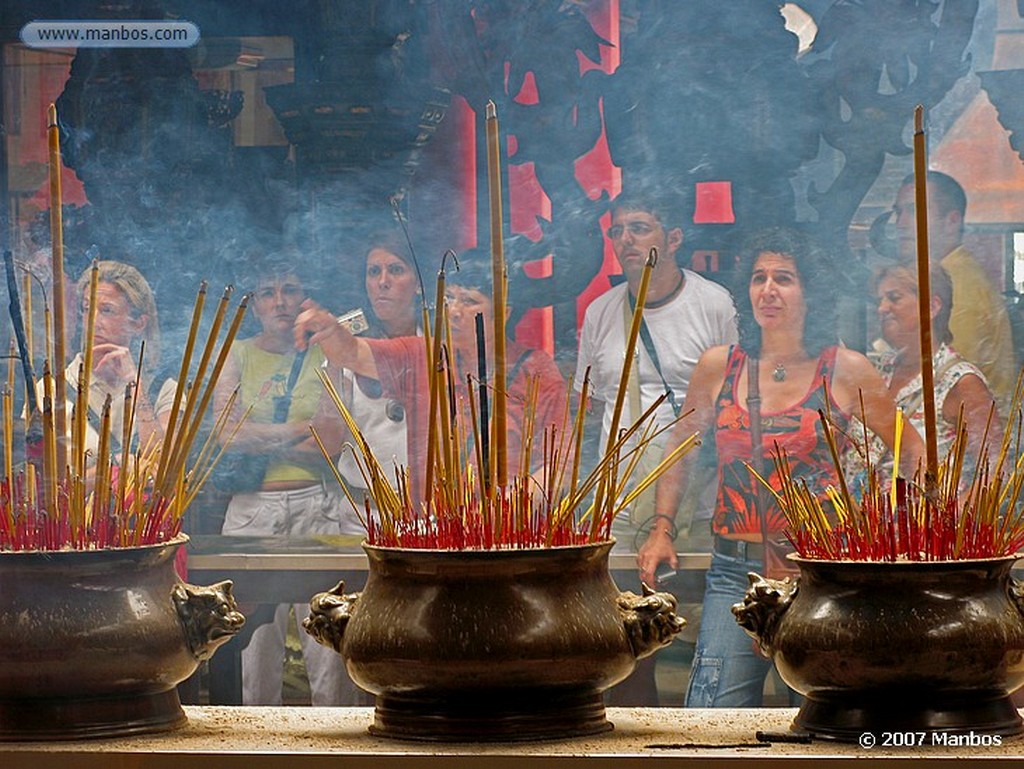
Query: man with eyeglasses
{"points": [[684, 314]]}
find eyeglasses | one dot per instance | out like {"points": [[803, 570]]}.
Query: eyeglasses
{"points": [[636, 229]]}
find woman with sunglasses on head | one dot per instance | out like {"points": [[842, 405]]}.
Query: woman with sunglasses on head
{"points": [[785, 300]]}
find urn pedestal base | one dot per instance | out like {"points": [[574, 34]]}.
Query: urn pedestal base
{"points": [[503, 717], [89, 717], [845, 719]]}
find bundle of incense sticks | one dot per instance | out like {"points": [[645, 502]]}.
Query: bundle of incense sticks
{"points": [[129, 498], [486, 504], [555, 505], [909, 521]]}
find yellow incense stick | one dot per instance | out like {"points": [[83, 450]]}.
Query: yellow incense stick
{"points": [[433, 365], [8, 410], [186, 363], [634, 333], [500, 424], [57, 264], [896, 446], [924, 297]]}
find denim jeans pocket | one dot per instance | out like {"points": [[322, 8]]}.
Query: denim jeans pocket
{"points": [[704, 678]]}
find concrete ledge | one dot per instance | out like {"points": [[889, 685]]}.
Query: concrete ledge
{"points": [[283, 738]]}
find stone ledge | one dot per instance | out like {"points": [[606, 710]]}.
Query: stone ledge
{"points": [[250, 738]]}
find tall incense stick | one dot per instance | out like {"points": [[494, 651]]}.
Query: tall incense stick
{"points": [[433, 363], [500, 427], [634, 334], [924, 300], [57, 258], [88, 340], [485, 409], [27, 363]]}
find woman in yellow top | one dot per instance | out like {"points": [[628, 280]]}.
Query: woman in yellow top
{"points": [[283, 395]]}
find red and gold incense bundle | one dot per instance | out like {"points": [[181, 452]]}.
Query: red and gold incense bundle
{"points": [[908, 521], [548, 500], [938, 515], [67, 496]]}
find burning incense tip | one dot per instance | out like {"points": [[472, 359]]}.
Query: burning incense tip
{"points": [[490, 111], [919, 119], [51, 116]]}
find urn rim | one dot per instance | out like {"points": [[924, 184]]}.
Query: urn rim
{"points": [[482, 553], [72, 554]]}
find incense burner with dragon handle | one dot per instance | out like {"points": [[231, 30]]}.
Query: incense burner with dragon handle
{"points": [[894, 647], [491, 644], [94, 642]]}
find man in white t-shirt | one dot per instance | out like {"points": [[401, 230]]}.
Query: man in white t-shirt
{"points": [[684, 313]]}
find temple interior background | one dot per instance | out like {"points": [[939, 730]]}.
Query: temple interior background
{"points": [[311, 121]]}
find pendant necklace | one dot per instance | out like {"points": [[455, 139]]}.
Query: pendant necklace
{"points": [[779, 373]]}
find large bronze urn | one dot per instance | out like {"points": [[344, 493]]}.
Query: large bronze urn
{"points": [[491, 644], [94, 642], [907, 646]]}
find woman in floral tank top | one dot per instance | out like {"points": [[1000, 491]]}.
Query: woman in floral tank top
{"points": [[960, 386], [785, 300]]}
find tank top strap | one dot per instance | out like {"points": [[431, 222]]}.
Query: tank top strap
{"points": [[823, 385], [826, 364], [733, 365]]}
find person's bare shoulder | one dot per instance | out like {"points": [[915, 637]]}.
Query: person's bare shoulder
{"points": [[715, 357], [850, 363]]}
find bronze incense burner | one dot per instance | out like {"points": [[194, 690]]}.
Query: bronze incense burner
{"points": [[94, 642], [904, 646], [491, 644]]}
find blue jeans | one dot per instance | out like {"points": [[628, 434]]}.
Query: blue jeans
{"points": [[728, 672]]}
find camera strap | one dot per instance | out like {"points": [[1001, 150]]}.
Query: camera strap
{"points": [[283, 403], [652, 353]]}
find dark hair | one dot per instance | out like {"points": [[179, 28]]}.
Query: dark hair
{"points": [[948, 192], [664, 206], [475, 270], [393, 242], [817, 282], [274, 266]]}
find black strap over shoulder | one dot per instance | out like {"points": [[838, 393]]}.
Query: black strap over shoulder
{"points": [[645, 335]]}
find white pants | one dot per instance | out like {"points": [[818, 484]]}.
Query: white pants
{"points": [[301, 512]]}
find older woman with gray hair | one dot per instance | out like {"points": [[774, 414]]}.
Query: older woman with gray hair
{"points": [[125, 318], [959, 385]]}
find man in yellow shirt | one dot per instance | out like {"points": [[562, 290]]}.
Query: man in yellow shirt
{"points": [[979, 322]]}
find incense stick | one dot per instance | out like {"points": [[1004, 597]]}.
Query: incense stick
{"points": [[634, 333], [499, 431], [924, 298], [57, 263]]}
